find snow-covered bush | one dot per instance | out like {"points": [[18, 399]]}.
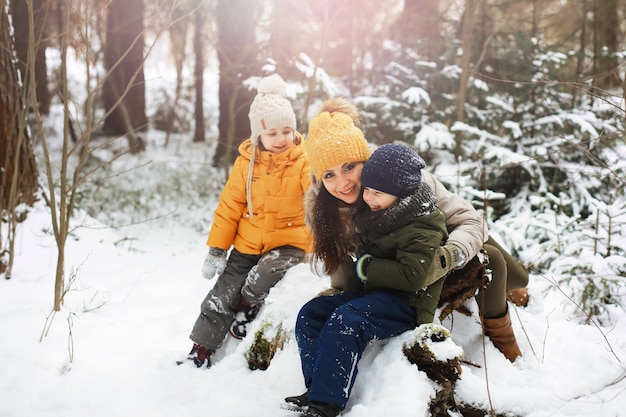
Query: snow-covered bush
{"points": [[544, 161]]}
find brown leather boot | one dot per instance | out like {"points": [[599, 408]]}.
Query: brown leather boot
{"points": [[500, 331], [519, 297], [200, 356]]}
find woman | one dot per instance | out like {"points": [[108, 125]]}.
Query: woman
{"points": [[337, 149]]}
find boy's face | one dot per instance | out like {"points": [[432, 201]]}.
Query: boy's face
{"points": [[277, 140], [377, 200], [344, 181]]}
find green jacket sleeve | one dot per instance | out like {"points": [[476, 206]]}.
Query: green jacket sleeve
{"points": [[414, 246]]}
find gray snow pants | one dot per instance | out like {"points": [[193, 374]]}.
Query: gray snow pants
{"points": [[246, 276]]}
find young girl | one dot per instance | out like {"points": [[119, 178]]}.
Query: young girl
{"points": [[261, 215]]}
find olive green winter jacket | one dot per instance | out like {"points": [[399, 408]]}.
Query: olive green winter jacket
{"points": [[402, 241]]}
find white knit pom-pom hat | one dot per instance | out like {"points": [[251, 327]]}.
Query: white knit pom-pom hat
{"points": [[270, 109]]}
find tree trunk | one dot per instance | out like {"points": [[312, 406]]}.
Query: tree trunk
{"points": [[466, 40], [336, 20], [606, 44], [18, 178], [237, 61], [580, 58], [64, 176], [124, 90], [20, 15], [419, 25], [198, 48], [284, 44], [178, 40]]}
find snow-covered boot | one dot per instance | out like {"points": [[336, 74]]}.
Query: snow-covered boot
{"points": [[500, 331], [298, 402], [321, 410], [244, 314], [200, 356], [519, 297]]}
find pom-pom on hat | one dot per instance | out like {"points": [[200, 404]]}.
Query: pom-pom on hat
{"points": [[270, 109], [332, 140], [393, 169]]}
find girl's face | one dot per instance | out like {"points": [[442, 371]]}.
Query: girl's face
{"points": [[377, 200], [344, 181], [277, 140]]}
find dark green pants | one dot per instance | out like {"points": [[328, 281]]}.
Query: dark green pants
{"points": [[506, 274]]}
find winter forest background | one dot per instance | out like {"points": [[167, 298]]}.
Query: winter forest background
{"points": [[516, 105]]}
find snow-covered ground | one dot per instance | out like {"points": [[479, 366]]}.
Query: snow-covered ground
{"points": [[134, 293]]}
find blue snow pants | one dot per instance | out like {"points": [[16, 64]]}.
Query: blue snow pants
{"points": [[332, 333]]}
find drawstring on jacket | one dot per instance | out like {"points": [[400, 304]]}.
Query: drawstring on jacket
{"points": [[270, 109], [249, 181]]}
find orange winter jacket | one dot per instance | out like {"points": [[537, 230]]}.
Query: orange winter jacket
{"points": [[278, 184]]}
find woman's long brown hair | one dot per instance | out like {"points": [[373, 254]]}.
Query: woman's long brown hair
{"points": [[331, 245]]}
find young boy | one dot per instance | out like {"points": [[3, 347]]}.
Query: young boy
{"points": [[399, 209], [400, 228], [261, 215]]}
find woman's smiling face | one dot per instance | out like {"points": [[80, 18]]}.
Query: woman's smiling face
{"points": [[344, 181]]}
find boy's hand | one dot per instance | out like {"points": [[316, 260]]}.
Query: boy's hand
{"points": [[361, 266]]}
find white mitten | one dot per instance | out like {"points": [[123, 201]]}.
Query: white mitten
{"points": [[214, 263]]}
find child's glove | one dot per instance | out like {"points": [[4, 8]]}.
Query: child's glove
{"points": [[361, 266], [447, 258], [214, 263]]}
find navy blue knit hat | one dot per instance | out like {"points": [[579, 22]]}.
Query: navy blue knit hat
{"points": [[393, 169]]}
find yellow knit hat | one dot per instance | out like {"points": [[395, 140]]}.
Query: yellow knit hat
{"points": [[333, 139]]}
